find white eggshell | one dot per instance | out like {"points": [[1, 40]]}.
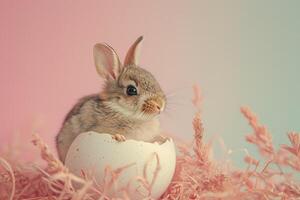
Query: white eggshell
{"points": [[92, 151]]}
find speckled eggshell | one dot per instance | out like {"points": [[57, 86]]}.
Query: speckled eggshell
{"points": [[93, 152]]}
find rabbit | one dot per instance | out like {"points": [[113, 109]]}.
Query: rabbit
{"points": [[128, 107]]}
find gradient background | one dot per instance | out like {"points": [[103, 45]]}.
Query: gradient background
{"points": [[239, 52]]}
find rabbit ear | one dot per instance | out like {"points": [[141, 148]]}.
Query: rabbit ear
{"points": [[133, 53], [107, 61]]}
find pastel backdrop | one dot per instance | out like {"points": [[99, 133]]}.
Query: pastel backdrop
{"points": [[239, 52]]}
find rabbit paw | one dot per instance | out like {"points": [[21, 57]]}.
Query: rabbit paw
{"points": [[119, 138], [160, 139]]}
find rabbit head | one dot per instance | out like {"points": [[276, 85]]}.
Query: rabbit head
{"points": [[129, 89]]}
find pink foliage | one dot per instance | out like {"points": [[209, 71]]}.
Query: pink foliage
{"points": [[261, 137]]}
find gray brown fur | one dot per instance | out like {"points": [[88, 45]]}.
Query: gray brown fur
{"points": [[112, 111]]}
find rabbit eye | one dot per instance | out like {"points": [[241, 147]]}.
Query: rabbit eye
{"points": [[131, 90]]}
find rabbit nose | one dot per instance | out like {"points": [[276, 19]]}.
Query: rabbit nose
{"points": [[154, 105], [159, 106]]}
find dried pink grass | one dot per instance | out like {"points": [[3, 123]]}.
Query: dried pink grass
{"points": [[197, 175]]}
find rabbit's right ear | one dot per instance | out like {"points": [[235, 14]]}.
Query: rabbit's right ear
{"points": [[133, 54], [107, 61]]}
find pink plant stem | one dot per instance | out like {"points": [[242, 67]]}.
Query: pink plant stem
{"points": [[9, 169]]}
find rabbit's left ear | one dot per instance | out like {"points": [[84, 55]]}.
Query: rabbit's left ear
{"points": [[107, 61], [133, 54]]}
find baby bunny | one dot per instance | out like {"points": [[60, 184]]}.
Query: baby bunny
{"points": [[127, 108]]}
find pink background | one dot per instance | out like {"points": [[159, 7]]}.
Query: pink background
{"points": [[46, 61]]}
